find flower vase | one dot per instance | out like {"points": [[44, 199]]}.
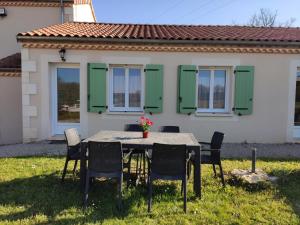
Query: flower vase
{"points": [[145, 134]]}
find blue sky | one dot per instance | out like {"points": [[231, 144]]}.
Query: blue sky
{"points": [[191, 11]]}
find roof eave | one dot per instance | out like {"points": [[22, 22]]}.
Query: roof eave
{"points": [[157, 41]]}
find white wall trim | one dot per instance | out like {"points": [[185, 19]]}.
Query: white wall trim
{"points": [[28, 66], [46, 62], [291, 100]]}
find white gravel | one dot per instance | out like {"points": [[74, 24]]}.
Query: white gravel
{"points": [[229, 150]]}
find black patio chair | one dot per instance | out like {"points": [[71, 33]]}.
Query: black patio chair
{"points": [[167, 162], [104, 160], [169, 129], [133, 128], [138, 153], [73, 149], [213, 156]]}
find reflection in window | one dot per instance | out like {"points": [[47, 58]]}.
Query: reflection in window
{"points": [[134, 87], [203, 89], [219, 89], [297, 101], [68, 103], [119, 87], [212, 90]]}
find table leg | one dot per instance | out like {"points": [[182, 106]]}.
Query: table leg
{"points": [[83, 166], [197, 172]]}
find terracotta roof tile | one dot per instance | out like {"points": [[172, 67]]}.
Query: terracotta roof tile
{"points": [[167, 32], [76, 2], [11, 63]]}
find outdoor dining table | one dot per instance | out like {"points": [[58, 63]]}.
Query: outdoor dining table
{"points": [[135, 140]]}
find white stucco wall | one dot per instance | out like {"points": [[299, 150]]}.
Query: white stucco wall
{"points": [[10, 110], [21, 19], [83, 13], [274, 93]]}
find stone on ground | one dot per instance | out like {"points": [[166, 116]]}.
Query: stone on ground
{"points": [[252, 178]]}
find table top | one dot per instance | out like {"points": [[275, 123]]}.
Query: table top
{"points": [[135, 138]]}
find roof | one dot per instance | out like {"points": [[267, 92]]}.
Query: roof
{"points": [[11, 63], [144, 32], [54, 1]]}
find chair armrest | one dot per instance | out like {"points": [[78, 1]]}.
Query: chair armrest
{"points": [[148, 155]]}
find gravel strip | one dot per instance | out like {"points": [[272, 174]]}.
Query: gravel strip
{"points": [[229, 150], [33, 149]]}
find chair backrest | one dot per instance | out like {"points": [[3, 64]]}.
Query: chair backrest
{"points": [[72, 137], [170, 129], [217, 140], [133, 127], [105, 157], [169, 160]]}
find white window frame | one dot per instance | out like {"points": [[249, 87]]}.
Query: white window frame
{"points": [[211, 90], [126, 108]]}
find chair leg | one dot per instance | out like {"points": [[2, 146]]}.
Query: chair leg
{"points": [[120, 192], [86, 190], [214, 168], [137, 164], [184, 194], [182, 187], [129, 170], [149, 194], [65, 170], [144, 166], [221, 174], [75, 165], [189, 169]]}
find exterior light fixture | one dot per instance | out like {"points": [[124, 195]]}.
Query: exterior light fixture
{"points": [[3, 12], [62, 53]]}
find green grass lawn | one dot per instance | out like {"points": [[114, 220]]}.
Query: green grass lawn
{"points": [[31, 193]]}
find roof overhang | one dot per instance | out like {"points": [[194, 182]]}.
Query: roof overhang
{"points": [[156, 41]]}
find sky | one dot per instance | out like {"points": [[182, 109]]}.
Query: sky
{"points": [[205, 12]]}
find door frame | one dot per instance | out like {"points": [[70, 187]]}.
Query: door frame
{"points": [[58, 128], [296, 129]]}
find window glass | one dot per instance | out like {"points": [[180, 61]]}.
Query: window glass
{"points": [[203, 89], [118, 87], [68, 103], [126, 87], [297, 101], [134, 87], [219, 89]]}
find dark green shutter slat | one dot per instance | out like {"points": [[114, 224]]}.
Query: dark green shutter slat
{"points": [[186, 99], [243, 96], [97, 87], [153, 88]]}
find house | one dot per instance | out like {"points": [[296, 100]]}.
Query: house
{"points": [[236, 79], [20, 16]]}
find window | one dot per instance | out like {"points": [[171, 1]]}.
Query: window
{"points": [[297, 100], [213, 85], [125, 89]]}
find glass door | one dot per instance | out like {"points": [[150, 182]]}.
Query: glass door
{"points": [[66, 98]]}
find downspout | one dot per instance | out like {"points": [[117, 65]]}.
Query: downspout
{"points": [[62, 11]]}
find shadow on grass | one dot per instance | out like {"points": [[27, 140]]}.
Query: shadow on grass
{"points": [[46, 195], [288, 186], [259, 187]]}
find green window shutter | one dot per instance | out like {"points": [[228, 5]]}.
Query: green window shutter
{"points": [[153, 88], [186, 101], [243, 96], [97, 87]]}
